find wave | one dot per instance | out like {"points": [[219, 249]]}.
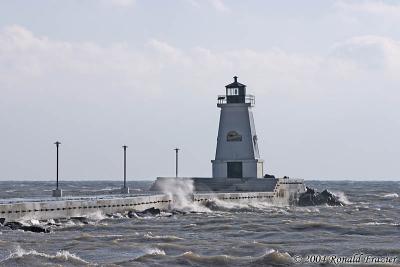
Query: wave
{"points": [[89, 218], [391, 195], [306, 209], [312, 225], [221, 205], [22, 257], [10, 191], [150, 236], [270, 257], [342, 197], [155, 251], [273, 257], [181, 190], [381, 223], [96, 216]]}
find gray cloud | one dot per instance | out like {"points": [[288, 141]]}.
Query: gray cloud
{"points": [[317, 116]]}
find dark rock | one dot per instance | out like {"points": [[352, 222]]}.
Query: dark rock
{"points": [[152, 211], [2, 220], [269, 176], [28, 228], [313, 198], [13, 225], [148, 212], [35, 229], [83, 220], [178, 212], [132, 214], [211, 205]]}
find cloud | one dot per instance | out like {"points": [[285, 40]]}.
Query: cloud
{"points": [[219, 5], [314, 103], [23, 54], [193, 3], [371, 7], [119, 3], [376, 53]]}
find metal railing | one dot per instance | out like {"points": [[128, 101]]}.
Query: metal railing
{"points": [[248, 99]]}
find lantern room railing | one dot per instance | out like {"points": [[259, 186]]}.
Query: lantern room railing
{"points": [[247, 99]]}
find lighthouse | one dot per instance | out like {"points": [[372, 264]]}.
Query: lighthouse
{"points": [[237, 154], [237, 166]]}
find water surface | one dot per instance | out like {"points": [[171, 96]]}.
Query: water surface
{"points": [[228, 235]]}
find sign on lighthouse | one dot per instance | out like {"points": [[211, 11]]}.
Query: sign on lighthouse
{"points": [[237, 154]]}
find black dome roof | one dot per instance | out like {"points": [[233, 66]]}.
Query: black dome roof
{"points": [[235, 84]]}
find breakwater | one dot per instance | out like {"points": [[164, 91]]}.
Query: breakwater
{"points": [[285, 192]]}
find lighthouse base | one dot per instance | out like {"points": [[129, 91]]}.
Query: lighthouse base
{"points": [[57, 193], [238, 168]]}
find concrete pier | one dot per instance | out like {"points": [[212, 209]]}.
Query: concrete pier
{"points": [[43, 209], [284, 192]]}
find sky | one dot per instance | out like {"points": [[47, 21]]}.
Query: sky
{"points": [[96, 75]]}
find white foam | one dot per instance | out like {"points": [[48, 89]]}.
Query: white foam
{"points": [[150, 236], [181, 191], [391, 195], [155, 251], [11, 191], [342, 197], [96, 216], [61, 255], [224, 205], [34, 222], [381, 223]]}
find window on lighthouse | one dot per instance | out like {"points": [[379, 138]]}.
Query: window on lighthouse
{"points": [[233, 91]]}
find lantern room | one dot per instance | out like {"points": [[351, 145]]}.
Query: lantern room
{"points": [[235, 92]]}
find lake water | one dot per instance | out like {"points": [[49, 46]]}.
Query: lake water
{"points": [[226, 235]]}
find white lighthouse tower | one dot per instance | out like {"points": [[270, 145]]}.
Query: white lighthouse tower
{"points": [[237, 154]]}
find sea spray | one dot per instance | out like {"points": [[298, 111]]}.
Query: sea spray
{"points": [[181, 192], [342, 197]]}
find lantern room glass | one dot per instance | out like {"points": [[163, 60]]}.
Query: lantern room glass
{"points": [[232, 91]]}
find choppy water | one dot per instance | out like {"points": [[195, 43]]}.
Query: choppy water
{"points": [[228, 235]]}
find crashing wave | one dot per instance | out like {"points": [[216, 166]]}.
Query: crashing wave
{"points": [[221, 205], [342, 197], [391, 195], [150, 236], [270, 257], [24, 257]]}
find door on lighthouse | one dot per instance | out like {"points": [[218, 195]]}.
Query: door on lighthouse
{"points": [[235, 169]]}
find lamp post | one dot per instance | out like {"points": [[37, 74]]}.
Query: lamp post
{"points": [[57, 192], [176, 161], [125, 189]]}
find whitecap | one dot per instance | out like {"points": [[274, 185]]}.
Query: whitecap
{"points": [[342, 197], [62, 255], [391, 195], [154, 251], [270, 257], [11, 191], [150, 236]]}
